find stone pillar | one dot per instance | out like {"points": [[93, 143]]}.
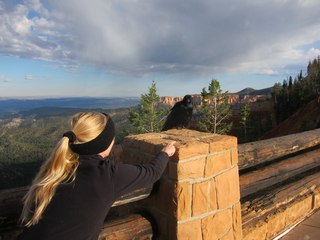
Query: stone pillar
{"points": [[198, 197]]}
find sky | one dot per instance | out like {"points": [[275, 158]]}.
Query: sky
{"points": [[116, 48]]}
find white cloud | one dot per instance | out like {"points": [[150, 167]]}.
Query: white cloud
{"points": [[36, 38], [313, 53], [163, 35], [270, 72], [3, 79], [37, 6], [308, 3], [29, 77]]}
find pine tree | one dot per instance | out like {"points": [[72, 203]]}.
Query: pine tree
{"points": [[215, 111], [148, 117], [244, 114]]}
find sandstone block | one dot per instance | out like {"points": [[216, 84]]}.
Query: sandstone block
{"points": [[182, 199], [188, 133], [276, 223], [149, 143], [217, 163], [221, 142], [237, 221], [189, 230], [316, 199], [258, 232], [234, 156], [144, 137], [116, 153], [228, 189], [173, 199], [135, 156], [185, 170], [153, 146], [298, 210], [203, 197], [217, 225], [228, 236], [190, 149]]}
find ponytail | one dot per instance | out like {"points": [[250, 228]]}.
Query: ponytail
{"points": [[58, 168]]}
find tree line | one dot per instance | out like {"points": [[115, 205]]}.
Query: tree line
{"points": [[294, 92]]}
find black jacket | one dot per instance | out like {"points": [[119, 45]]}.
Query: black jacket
{"points": [[78, 209]]}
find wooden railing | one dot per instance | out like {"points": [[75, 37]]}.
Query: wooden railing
{"points": [[264, 151], [276, 174]]}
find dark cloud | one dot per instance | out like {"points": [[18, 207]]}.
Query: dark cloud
{"points": [[164, 35]]}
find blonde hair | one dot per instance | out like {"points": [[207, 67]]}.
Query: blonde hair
{"points": [[60, 167]]}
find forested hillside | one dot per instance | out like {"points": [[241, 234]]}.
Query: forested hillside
{"points": [[305, 118], [26, 141], [297, 91], [297, 102]]}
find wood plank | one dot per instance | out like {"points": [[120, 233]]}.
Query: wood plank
{"points": [[254, 153], [259, 207], [133, 226], [125, 228], [257, 180], [133, 196]]}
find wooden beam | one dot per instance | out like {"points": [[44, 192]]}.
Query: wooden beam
{"points": [[133, 196], [255, 153], [130, 227], [260, 206], [267, 176]]}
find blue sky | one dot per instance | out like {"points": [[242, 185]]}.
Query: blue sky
{"points": [[118, 47]]}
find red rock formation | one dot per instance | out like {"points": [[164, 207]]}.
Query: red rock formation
{"points": [[233, 99]]}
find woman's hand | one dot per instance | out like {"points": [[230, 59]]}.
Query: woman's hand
{"points": [[169, 149]]}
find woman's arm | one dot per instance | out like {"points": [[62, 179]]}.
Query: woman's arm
{"points": [[128, 177]]}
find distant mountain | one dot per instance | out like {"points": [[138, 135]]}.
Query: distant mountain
{"points": [[251, 91], [12, 106], [43, 112]]}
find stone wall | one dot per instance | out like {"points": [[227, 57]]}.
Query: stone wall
{"points": [[198, 196]]}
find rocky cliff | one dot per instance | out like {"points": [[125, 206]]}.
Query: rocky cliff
{"points": [[234, 99]]}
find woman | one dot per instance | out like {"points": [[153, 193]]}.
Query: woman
{"points": [[75, 188]]}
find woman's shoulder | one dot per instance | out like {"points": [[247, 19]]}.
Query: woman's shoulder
{"points": [[94, 162]]}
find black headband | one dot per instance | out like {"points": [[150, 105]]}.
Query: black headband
{"points": [[96, 145]]}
